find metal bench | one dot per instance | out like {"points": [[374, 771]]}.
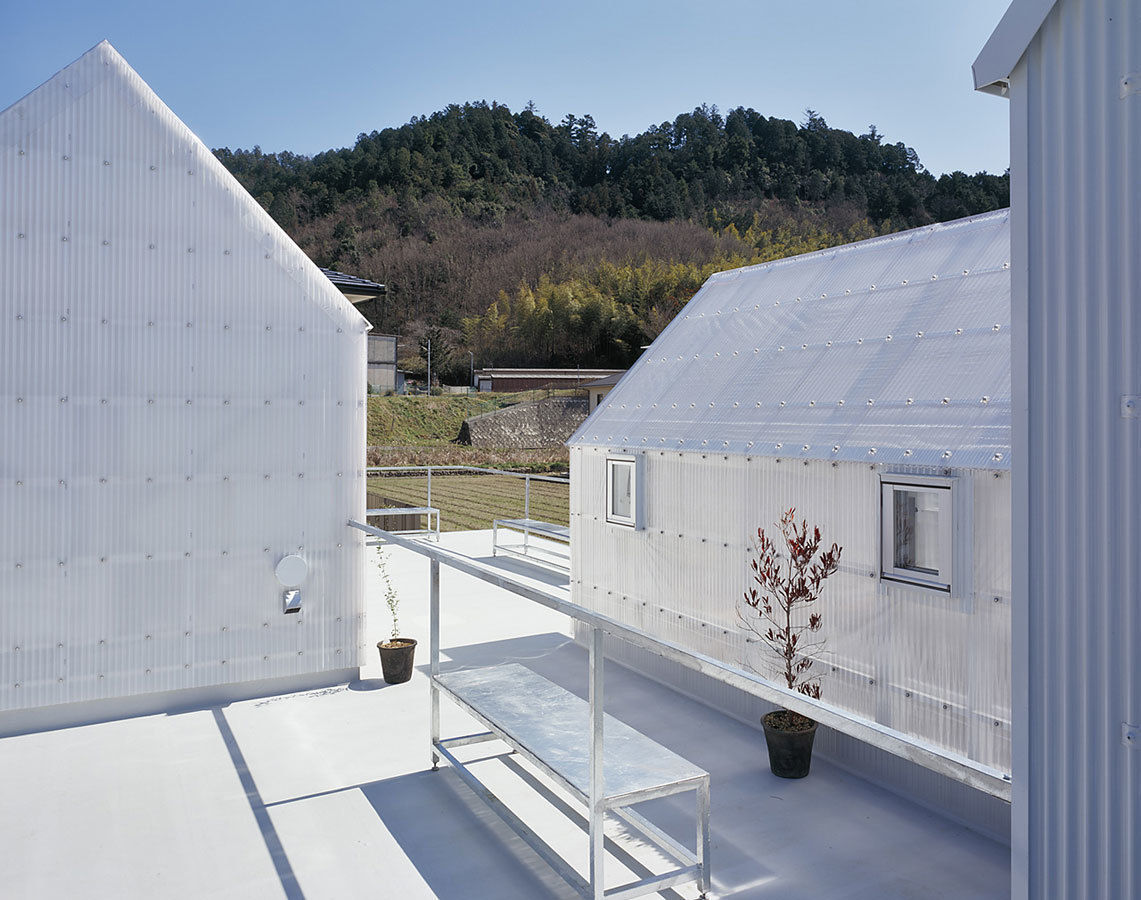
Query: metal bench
{"points": [[428, 511], [562, 735], [528, 549]]}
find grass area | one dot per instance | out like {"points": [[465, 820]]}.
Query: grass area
{"points": [[470, 501], [553, 461], [420, 430], [403, 421]]}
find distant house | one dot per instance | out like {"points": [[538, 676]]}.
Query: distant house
{"points": [[383, 375], [528, 379], [358, 290], [181, 409], [869, 387], [596, 390]]}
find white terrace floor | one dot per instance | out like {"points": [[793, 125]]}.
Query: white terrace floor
{"points": [[328, 794]]}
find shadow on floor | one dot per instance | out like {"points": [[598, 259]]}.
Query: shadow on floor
{"points": [[261, 814], [831, 834], [529, 651], [458, 845], [536, 570], [368, 684]]}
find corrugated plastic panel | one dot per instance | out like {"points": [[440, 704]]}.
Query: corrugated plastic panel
{"points": [[895, 349], [182, 399], [1076, 186], [929, 664]]}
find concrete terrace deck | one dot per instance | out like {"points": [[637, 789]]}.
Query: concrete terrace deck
{"points": [[328, 793]]}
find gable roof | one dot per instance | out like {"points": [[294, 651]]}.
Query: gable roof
{"points": [[92, 158], [891, 350], [608, 381], [353, 286], [1008, 42]]}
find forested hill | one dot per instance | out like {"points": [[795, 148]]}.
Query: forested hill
{"points": [[504, 233]]}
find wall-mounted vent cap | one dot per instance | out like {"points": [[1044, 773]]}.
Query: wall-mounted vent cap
{"points": [[291, 571]]}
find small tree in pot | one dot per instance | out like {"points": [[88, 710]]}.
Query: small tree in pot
{"points": [[778, 607], [396, 654]]}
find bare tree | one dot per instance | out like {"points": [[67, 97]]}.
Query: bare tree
{"points": [[787, 583]]}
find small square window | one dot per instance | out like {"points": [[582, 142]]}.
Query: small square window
{"points": [[622, 490], [918, 532]]}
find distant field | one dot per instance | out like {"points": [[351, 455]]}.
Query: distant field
{"points": [[468, 501]]}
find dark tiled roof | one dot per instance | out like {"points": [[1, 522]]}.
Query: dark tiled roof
{"points": [[608, 381], [352, 283]]}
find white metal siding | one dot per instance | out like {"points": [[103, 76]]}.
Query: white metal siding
{"points": [[919, 661], [181, 399], [1076, 182]]}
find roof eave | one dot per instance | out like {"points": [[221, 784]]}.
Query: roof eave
{"points": [[1006, 45]]}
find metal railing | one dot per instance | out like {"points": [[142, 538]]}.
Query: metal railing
{"points": [[527, 477], [693, 866], [909, 747]]}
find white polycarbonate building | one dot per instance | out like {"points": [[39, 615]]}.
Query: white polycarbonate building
{"points": [[181, 408], [868, 386], [1072, 72]]}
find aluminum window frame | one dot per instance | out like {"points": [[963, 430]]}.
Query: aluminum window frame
{"points": [[944, 579], [634, 519]]}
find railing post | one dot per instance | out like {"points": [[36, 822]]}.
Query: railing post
{"points": [[526, 511], [597, 785], [429, 503], [434, 654]]}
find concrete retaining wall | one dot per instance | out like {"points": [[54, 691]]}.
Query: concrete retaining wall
{"points": [[526, 426]]}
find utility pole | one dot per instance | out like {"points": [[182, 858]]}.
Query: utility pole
{"points": [[472, 356], [429, 367]]}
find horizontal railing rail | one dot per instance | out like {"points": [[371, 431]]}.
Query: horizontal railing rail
{"points": [[527, 477], [923, 753], [530, 476]]}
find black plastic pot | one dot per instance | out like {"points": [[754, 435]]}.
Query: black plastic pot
{"points": [[396, 662], [790, 752]]}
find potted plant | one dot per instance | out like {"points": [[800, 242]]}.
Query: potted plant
{"points": [[779, 609], [397, 652]]}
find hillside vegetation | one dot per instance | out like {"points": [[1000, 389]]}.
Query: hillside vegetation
{"points": [[529, 242], [421, 430]]}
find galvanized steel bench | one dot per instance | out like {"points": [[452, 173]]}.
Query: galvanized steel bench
{"points": [[428, 511], [529, 527], [552, 728]]}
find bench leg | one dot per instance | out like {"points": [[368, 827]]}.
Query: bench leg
{"points": [[703, 835]]}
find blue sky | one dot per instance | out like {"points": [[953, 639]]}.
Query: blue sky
{"points": [[310, 76]]}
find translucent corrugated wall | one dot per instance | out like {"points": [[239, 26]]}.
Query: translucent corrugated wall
{"points": [[926, 663], [891, 350], [182, 404]]}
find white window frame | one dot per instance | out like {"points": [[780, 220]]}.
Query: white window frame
{"points": [[634, 519], [944, 579]]}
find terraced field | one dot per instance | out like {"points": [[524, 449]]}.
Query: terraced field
{"points": [[470, 501]]}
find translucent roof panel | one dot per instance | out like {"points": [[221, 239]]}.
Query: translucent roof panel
{"points": [[895, 349]]}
